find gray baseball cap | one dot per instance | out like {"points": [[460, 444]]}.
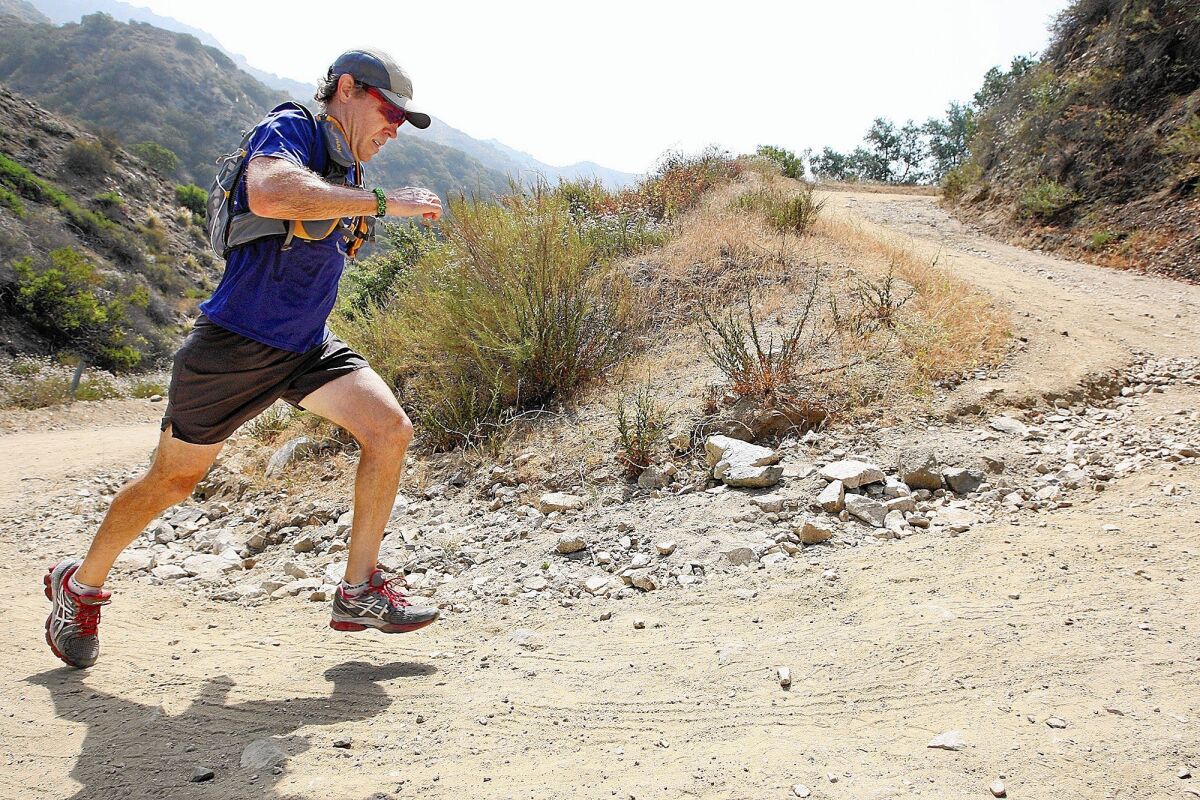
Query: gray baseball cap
{"points": [[376, 68]]}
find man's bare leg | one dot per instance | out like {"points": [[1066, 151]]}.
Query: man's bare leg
{"points": [[176, 469], [364, 405]]}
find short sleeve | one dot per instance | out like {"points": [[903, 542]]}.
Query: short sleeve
{"points": [[288, 135]]}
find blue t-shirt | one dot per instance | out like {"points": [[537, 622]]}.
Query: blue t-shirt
{"points": [[275, 296]]}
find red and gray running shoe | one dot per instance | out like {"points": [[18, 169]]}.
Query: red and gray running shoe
{"points": [[74, 618], [381, 606]]}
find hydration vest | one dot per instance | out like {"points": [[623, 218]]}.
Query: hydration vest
{"points": [[227, 230]]}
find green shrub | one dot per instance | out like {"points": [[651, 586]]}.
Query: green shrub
{"points": [[794, 212], [107, 200], [957, 180], [87, 159], [62, 302], [1101, 239], [511, 313], [11, 202], [97, 387], [789, 163], [147, 387], [1046, 200], [193, 198], [641, 423], [159, 158], [372, 281]]}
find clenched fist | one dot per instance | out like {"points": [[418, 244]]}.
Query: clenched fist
{"points": [[412, 202]]}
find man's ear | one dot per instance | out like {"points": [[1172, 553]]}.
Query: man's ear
{"points": [[345, 86]]}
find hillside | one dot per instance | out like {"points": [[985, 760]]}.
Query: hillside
{"points": [[188, 97], [1096, 149], [22, 11], [96, 254]]}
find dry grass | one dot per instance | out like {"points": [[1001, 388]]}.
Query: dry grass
{"points": [[871, 187], [954, 328], [715, 254]]}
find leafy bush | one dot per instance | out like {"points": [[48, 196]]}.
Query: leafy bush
{"points": [[97, 387], [1101, 239], [641, 423], [791, 211], [511, 313], [193, 198], [958, 179], [62, 302], [87, 159], [1045, 200], [372, 281], [159, 158], [789, 164]]}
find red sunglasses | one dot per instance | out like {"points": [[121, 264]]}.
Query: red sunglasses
{"points": [[393, 114]]}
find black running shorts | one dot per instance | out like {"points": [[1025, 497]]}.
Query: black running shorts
{"points": [[221, 379]]}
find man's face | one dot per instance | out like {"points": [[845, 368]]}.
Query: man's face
{"points": [[370, 122]]}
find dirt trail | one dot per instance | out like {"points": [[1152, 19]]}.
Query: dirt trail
{"points": [[990, 633]]}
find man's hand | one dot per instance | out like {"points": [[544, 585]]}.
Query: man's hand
{"points": [[410, 202]]}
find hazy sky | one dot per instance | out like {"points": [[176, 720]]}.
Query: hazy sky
{"points": [[621, 82]]}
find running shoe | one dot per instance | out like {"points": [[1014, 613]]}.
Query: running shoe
{"points": [[381, 606], [74, 618]]}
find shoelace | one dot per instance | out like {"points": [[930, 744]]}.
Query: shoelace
{"points": [[394, 595], [87, 615]]}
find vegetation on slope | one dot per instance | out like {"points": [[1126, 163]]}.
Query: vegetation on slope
{"points": [[1096, 148]]}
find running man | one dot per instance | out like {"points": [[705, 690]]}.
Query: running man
{"points": [[298, 208]]}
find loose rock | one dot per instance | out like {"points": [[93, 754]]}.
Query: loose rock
{"points": [[852, 474]]}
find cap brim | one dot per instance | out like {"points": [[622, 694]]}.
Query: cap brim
{"points": [[412, 114]]}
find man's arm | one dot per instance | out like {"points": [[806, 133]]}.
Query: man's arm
{"points": [[278, 189]]}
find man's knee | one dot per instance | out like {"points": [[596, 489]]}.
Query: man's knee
{"points": [[174, 486], [390, 433]]}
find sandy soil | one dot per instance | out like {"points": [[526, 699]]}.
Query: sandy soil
{"points": [[991, 633]]}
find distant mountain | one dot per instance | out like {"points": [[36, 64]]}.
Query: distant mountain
{"points": [[612, 178], [145, 84], [60, 11], [22, 11], [522, 166], [492, 155]]}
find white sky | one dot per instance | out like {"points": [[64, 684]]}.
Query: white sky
{"points": [[620, 82]]}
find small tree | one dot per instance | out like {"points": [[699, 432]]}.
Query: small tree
{"points": [[159, 158], [949, 139], [62, 302], [789, 163], [193, 198]]}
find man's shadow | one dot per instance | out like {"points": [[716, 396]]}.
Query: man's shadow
{"points": [[134, 750]]}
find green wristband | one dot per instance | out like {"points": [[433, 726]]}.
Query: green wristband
{"points": [[380, 202]]}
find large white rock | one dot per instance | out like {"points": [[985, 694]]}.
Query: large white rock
{"points": [[743, 477], [560, 501], [1009, 425], [852, 474], [741, 464]]}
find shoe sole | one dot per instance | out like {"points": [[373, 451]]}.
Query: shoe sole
{"points": [[48, 580], [354, 627]]}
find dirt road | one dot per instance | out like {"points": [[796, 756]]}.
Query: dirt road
{"points": [[1065, 650]]}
